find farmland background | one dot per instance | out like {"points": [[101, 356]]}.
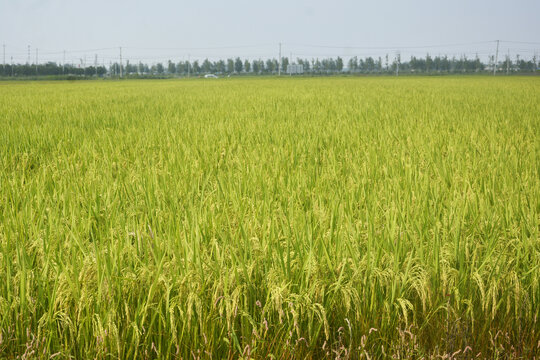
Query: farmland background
{"points": [[301, 218]]}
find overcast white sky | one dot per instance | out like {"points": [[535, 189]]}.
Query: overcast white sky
{"points": [[160, 29]]}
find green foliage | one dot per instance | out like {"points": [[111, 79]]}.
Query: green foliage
{"points": [[159, 68], [270, 218], [339, 64], [171, 68], [284, 63], [238, 65], [230, 66]]}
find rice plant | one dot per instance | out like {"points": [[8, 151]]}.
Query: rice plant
{"points": [[270, 218]]}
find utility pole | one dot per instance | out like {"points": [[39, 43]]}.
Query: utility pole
{"points": [[4, 67], [36, 61], [279, 62], [12, 66], [28, 60], [496, 59], [95, 63], [64, 63], [188, 64], [121, 61]]}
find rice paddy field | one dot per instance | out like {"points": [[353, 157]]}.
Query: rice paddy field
{"points": [[270, 218]]}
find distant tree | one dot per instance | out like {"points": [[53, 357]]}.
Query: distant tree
{"points": [[429, 63], [416, 64], [462, 64], [207, 66], [181, 68], [306, 65], [353, 64], [238, 65], [370, 64], [220, 66], [329, 65], [339, 64], [361, 65], [527, 65], [255, 66], [317, 66], [131, 69], [262, 66], [275, 63], [171, 68], [128, 69], [284, 63], [230, 66], [478, 66], [196, 67], [445, 64], [159, 68], [300, 62], [453, 64], [270, 65], [395, 64]]}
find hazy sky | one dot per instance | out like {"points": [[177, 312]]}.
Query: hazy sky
{"points": [[160, 29]]}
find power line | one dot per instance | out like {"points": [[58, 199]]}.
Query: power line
{"points": [[521, 42], [200, 48], [389, 47], [77, 51], [59, 52]]}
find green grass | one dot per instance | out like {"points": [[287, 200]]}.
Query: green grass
{"points": [[251, 218]]}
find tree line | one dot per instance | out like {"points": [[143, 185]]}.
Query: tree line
{"points": [[315, 66]]}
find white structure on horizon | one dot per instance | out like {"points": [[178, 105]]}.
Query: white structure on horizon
{"points": [[295, 69]]}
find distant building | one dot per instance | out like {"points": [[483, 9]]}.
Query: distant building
{"points": [[295, 69]]}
